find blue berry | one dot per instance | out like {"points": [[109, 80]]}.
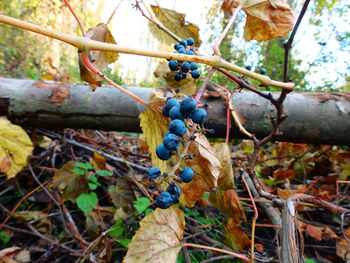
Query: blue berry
{"points": [[178, 76], [248, 67], [199, 116], [163, 153], [188, 106], [171, 103], [186, 174], [195, 74], [185, 67], [175, 114], [193, 66], [153, 173], [175, 192], [167, 133], [176, 46], [165, 111], [164, 200], [189, 52], [181, 50], [190, 41], [183, 75], [184, 43], [177, 127], [171, 142], [263, 71], [248, 82], [173, 65]]}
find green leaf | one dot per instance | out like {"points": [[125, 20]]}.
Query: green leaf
{"points": [[206, 195], [124, 241], [117, 232], [86, 166], [92, 186], [141, 204], [204, 220], [78, 171], [307, 260], [86, 202], [148, 210], [5, 238], [104, 173]]}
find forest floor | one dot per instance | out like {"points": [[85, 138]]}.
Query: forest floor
{"points": [[46, 212]]}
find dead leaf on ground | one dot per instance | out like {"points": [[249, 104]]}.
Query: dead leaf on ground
{"points": [[121, 194], [42, 223], [7, 254], [15, 147], [317, 233], [343, 245], [176, 23], [69, 183], [266, 19], [286, 193], [159, 238], [100, 59], [281, 174]]}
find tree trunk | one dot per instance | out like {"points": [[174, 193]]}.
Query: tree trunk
{"points": [[319, 118]]}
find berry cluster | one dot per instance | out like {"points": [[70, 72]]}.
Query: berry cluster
{"points": [[180, 113], [184, 47]]}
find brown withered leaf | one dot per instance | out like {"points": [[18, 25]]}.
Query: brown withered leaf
{"points": [[286, 193], [266, 19], [100, 59], [93, 225], [281, 174], [176, 23], [159, 238], [317, 233], [121, 194], [226, 179], [43, 224], [186, 86], [70, 184], [343, 245], [206, 167]]}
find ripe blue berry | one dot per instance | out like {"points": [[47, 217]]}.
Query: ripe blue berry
{"points": [[178, 76], [188, 106], [165, 111], [181, 50], [183, 75], [175, 114], [185, 67], [186, 174], [248, 67], [199, 116], [163, 153], [263, 71], [173, 65], [176, 46], [195, 74], [175, 192], [177, 127], [153, 173], [164, 200], [193, 66], [171, 142], [170, 103], [189, 52], [184, 43], [190, 41]]}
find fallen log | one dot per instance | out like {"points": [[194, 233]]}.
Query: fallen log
{"points": [[317, 118]]}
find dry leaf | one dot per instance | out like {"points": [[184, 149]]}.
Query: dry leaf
{"points": [[266, 19], [280, 174], [23, 256], [159, 238], [186, 86], [100, 59], [59, 91], [286, 193], [121, 194], [176, 23], [343, 245], [15, 147], [206, 167], [43, 224], [226, 179], [7, 254], [98, 161], [70, 184], [317, 233], [154, 125]]}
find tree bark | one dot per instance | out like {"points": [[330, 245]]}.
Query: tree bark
{"points": [[318, 118]]}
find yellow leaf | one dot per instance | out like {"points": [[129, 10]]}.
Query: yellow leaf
{"points": [[100, 59], [154, 125], [176, 23], [159, 238], [266, 19], [15, 147], [187, 85]]}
